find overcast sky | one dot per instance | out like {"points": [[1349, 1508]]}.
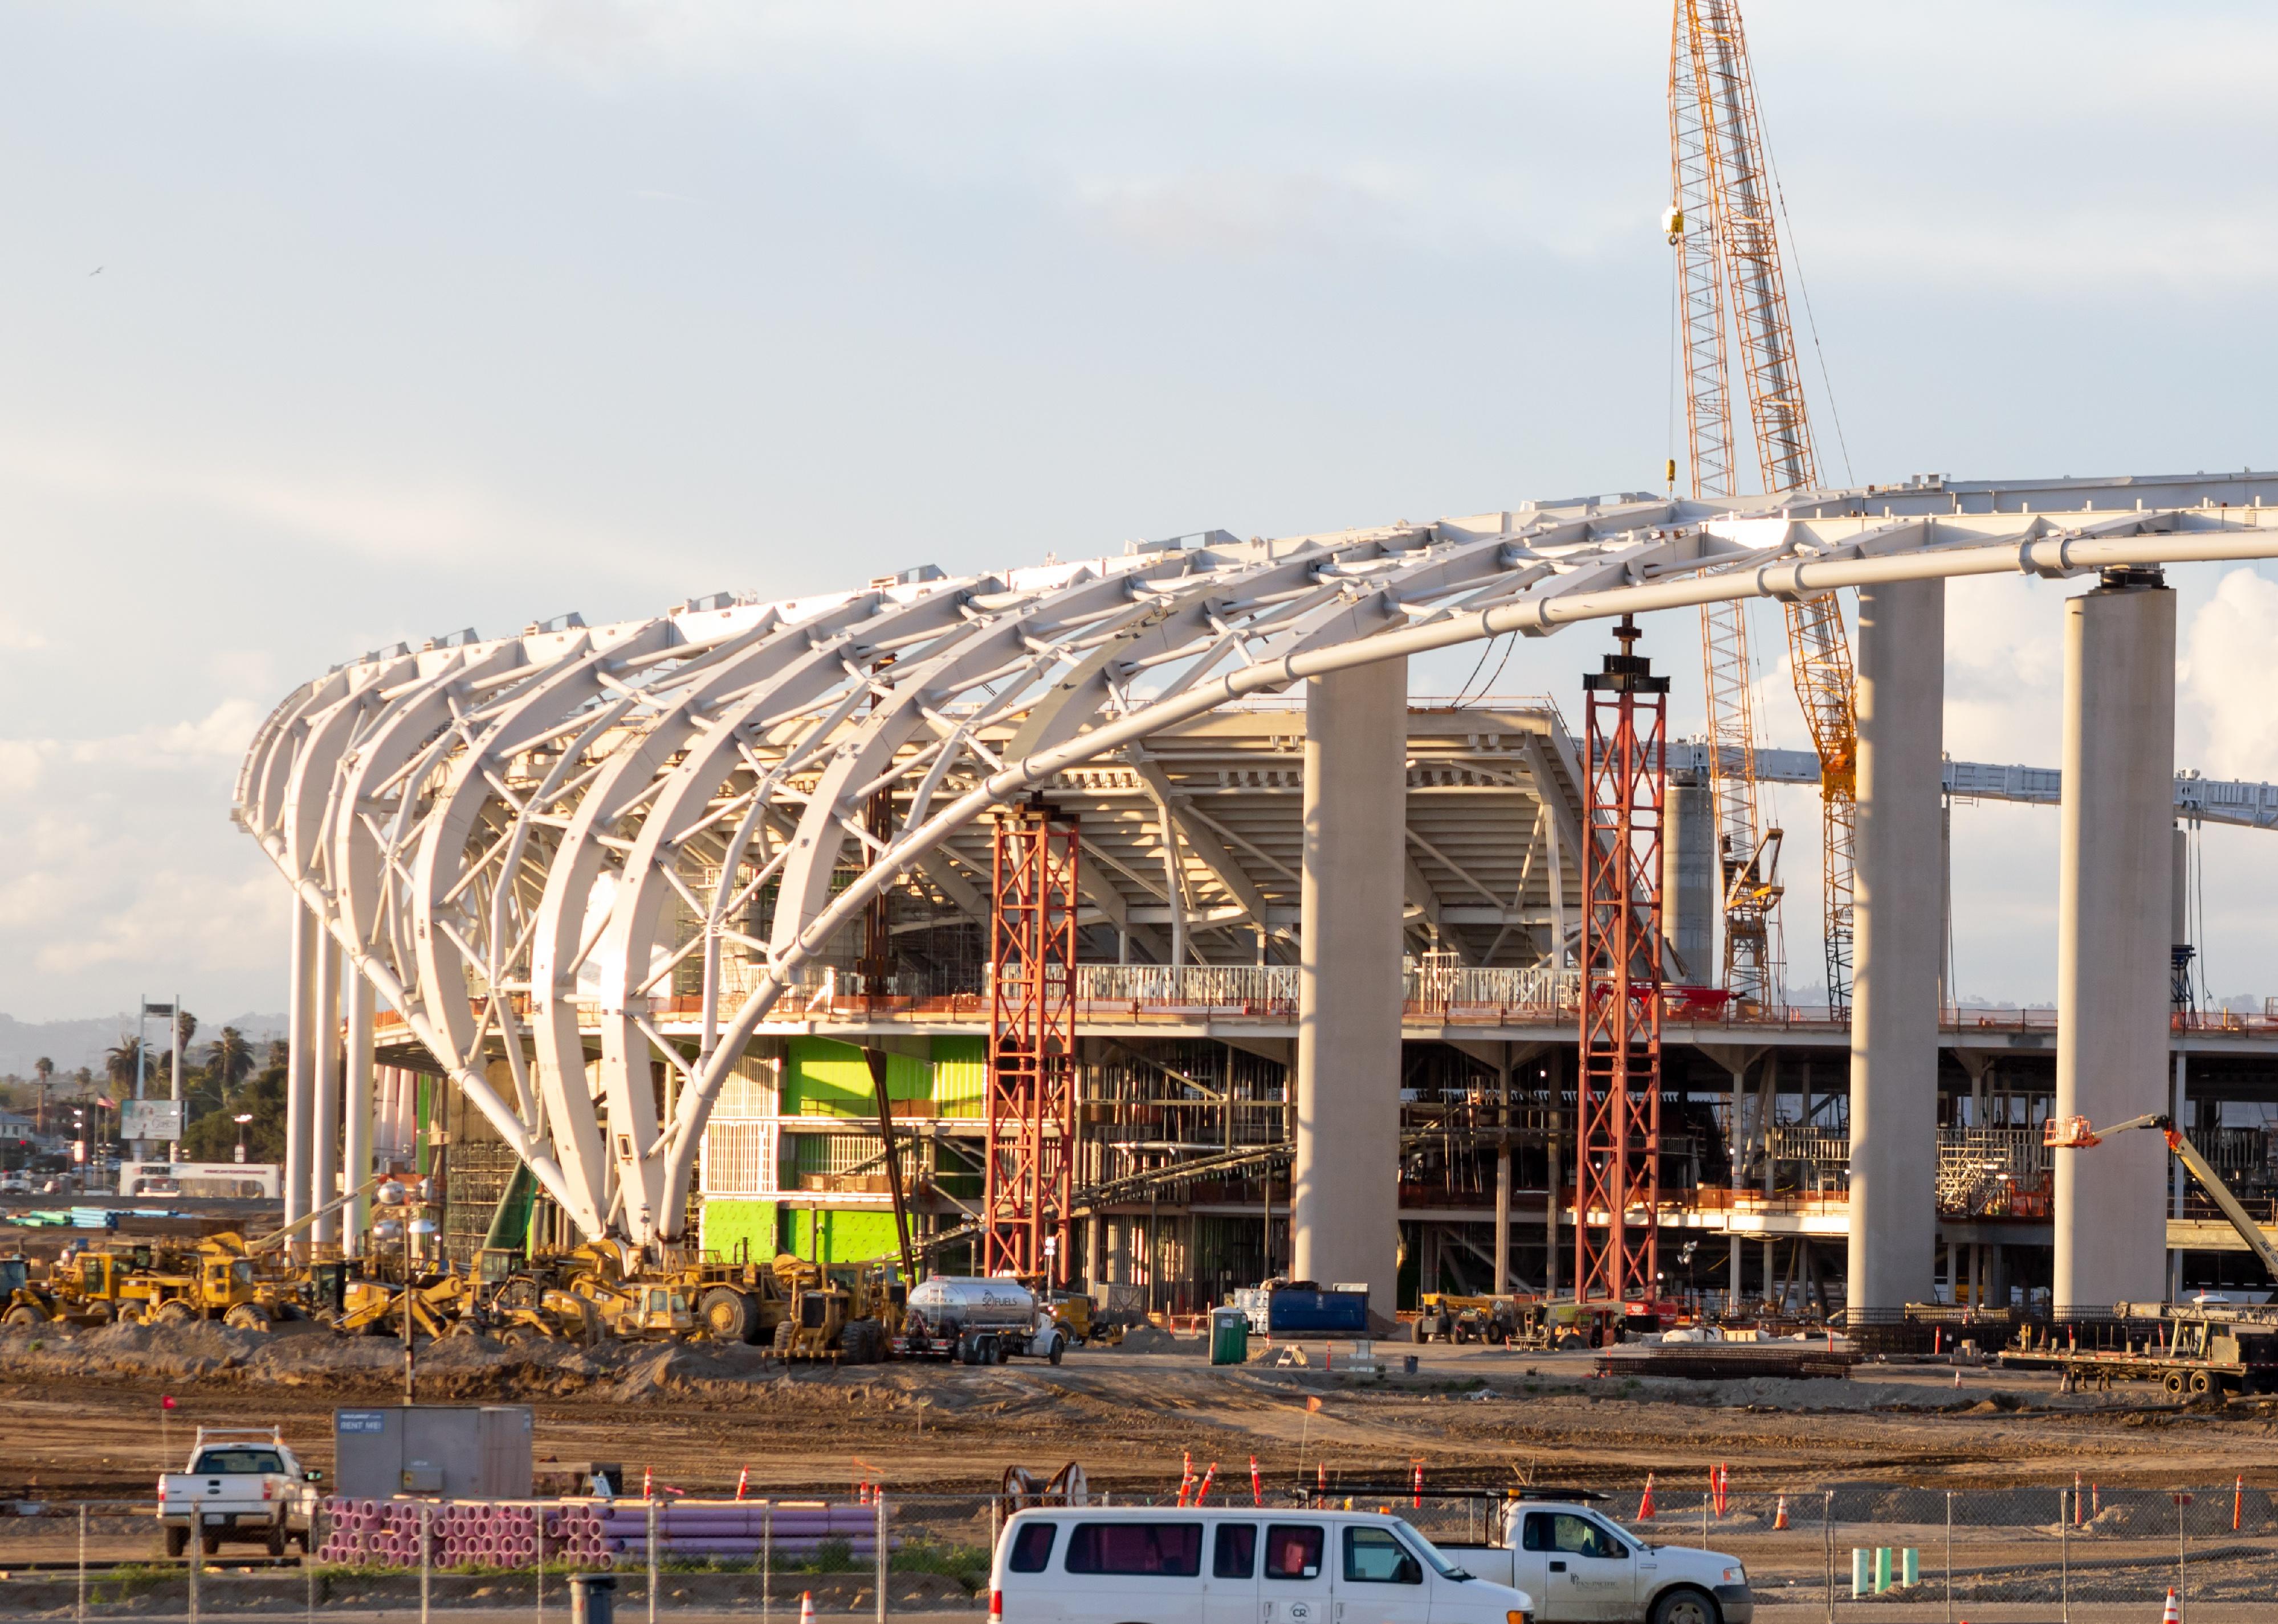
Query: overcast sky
{"points": [[322, 326]]}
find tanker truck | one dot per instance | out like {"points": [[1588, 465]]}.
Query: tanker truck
{"points": [[979, 1320]]}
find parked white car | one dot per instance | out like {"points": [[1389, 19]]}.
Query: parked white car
{"points": [[1585, 1569], [1156, 1565]]}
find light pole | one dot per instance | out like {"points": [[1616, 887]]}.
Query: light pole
{"points": [[240, 1122]]}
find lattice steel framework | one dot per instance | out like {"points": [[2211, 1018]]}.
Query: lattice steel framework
{"points": [[1617, 1113], [570, 839], [1029, 1186]]}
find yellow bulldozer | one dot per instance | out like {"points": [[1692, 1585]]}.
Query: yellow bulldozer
{"points": [[850, 1315]]}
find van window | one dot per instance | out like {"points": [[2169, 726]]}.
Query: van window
{"points": [[1293, 1551], [1372, 1556], [1171, 1549], [1564, 1532], [1236, 1557], [1032, 1547]]}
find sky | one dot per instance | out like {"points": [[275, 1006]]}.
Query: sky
{"points": [[322, 327]]}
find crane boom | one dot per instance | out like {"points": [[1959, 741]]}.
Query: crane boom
{"points": [[1723, 223], [2075, 1134]]}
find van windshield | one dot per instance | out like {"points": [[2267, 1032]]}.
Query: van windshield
{"points": [[218, 1461]]}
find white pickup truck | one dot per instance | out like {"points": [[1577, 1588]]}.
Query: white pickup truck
{"points": [[1582, 1567], [241, 1485]]}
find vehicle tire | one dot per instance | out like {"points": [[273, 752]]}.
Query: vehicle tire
{"points": [[999, 1351], [784, 1329], [245, 1316], [98, 1313], [129, 1315], [276, 1539], [2174, 1381], [210, 1543], [178, 1540], [1059, 1346], [23, 1314], [175, 1313], [727, 1315], [2203, 1382], [965, 1352], [1420, 1332], [1683, 1605]]}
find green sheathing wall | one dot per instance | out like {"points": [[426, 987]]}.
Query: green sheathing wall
{"points": [[847, 1237], [960, 1075], [726, 1222], [825, 1078]]}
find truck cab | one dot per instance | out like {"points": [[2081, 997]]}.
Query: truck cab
{"points": [[1583, 1567]]}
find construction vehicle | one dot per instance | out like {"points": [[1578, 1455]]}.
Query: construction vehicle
{"points": [[376, 1307], [1447, 1316], [24, 1300], [981, 1320], [90, 1287], [826, 1317], [216, 1282], [2194, 1350]]}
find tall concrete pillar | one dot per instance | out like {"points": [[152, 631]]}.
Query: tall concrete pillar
{"points": [[1689, 879], [300, 1062], [2113, 885], [324, 1119], [357, 1132], [1344, 1184], [1898, 927]]}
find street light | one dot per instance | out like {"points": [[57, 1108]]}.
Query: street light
{"points": [[240, 1122]]}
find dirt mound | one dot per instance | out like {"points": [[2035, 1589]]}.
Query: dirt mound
{"points": [[1148, 1340]]}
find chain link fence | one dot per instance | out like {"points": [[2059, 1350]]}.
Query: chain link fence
{"points": [[1854, 1552]]}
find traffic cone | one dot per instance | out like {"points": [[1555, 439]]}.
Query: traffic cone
{"points": [[1779, 1514], [2171, 1613], [2237, 1501], [1257, 1486], [807, 1607], [648, 1482], [1645, 1505], [1209, 1475], [743, 1481]]}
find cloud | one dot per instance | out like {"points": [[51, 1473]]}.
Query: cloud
{"points": [[2229, 667]]}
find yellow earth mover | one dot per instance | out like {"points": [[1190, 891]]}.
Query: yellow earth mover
{"points": [[216, 1282], [827, 1318], [24, 1300], [376, 1307]]}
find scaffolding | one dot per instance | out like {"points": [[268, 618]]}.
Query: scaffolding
{"points": [[1029, 1135], [1618, 1160]]}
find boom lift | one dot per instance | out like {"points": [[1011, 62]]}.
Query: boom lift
{"points": [[2074, 1133]]}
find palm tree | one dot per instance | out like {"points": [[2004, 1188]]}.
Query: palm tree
{"points": [[229, 1057], [119, 1062], [43, 1069]]}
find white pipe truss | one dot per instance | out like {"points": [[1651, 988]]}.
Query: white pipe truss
{"points": [[503, 833]]}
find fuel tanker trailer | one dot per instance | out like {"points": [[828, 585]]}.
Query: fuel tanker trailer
{"points": [[979, 1320]]}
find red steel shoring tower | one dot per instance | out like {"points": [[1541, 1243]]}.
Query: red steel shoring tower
{"points": [[1029, 1186], [1618, 1164]]}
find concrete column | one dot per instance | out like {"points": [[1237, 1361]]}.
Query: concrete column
{"points": [[324, 1119], [1898, 940], [2114, 880], [356, 1135], [1344, 1184], [1502, 1174], [1689, 881], [300, 1062]]}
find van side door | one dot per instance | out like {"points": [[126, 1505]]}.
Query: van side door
{"points": [[1294, 1587], [1379, 1579], [1577, 1571], [1230, 1582], [1119, 1571]]}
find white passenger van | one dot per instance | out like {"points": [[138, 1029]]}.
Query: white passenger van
{"points": [[1227, 1564]]}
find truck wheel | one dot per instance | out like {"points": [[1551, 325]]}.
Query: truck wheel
{"points": [[999, 1350], [178, 1540], [1059, 1346], [210, 1543], [245, 1316], [176, 1313], [728, 1314], [2203, 1382], [2174, 1381], [23, 1314], [1687, 1606], [276, 1539]]}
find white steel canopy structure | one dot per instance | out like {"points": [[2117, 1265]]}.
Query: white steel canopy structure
{"points": [[503, 833]]}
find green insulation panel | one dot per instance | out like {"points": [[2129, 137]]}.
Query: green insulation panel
{"points": [[960, 1075], [847, 1237], [725, 1223], [825, 1078], [510, 1222]]}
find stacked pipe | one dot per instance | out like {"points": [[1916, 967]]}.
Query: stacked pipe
{"points": [[588, 1533], [695, 1530]]}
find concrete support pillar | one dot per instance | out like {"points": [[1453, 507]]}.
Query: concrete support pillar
{"points": [[357, 1126], [1502, 1174], [1898, 936], [324, 1119], [2113, 926], [300, 1062], [1344, 1184], [1689, 879]]}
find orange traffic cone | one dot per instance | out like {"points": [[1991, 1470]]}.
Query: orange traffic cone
{"points": [[2237, 1501], [807, 1607], [2171, 1613], [1645, 1506], [1779, 1514]]}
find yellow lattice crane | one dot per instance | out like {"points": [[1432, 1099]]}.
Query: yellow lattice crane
{"points": [[1722, 223]]}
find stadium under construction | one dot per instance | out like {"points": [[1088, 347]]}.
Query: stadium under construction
{"points": [[1127, 920]]}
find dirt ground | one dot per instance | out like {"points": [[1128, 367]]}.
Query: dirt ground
{"points": [[82, 1413]]}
